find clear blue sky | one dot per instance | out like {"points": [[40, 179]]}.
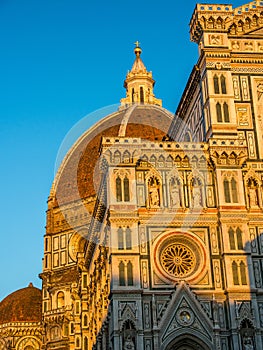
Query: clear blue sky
{"points": [[61, 60]]}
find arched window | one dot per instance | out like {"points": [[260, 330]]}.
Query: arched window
{"points": [[120, 239], [77, 343], [141, 95], [121, 274], [72, 328], [239, 238], [128, 238], [234, 190], [85, 343], [130, 273], [235, 273], [231, 239], [226, 112], [60, 300], [243, 273], [118, 190], [227, 191], [132, 95], [126, 189], [223, 84], [219, 112], [117, 157], [85, 321], [216, 84]]}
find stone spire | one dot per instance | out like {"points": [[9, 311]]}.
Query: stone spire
{"points": [[139, 83]]}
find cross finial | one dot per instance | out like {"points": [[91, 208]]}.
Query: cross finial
{"points": [[137, 43]]}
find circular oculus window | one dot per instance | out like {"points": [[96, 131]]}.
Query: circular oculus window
{"points": [[178, 260], [180, 255]]}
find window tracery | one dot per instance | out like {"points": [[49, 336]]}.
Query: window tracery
{"points": [[235, 238], [124, 239], [230, 189], [239, 273], [219, 88], [222, 112], [126, 273], [122, 186]]}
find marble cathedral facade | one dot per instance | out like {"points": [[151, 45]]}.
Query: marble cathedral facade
{"points": [[174, 253], [154, 236]]}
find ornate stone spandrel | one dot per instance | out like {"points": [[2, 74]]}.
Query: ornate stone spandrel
{"points": [[217, 274], [145, 274], [243, 112], [251, 145], [214, 240], [245, 88], [236, 87]]}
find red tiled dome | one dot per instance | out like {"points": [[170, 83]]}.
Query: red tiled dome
{"points": [[75, 178], [23, 305]]}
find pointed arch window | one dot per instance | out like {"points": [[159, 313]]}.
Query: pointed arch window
{"points": [[223, 84], [234, 190], [122, 274], [219, 112], [226, 112], [85, 321], [243, 273], [129, 274], [222, 111], [232, 238], [85, 343], [120, 239], [235, 239], [235, 273], [230, 190], [122, 189], [128, 238], [239, 239], [118, 189], [227, 191], [216, 84], [126, 187], [219, 84], [141, 94]]}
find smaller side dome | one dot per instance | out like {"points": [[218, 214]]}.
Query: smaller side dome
{"points": [[23, 305]]}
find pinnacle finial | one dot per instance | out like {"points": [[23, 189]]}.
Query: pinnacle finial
{"points": [[137, 49]]}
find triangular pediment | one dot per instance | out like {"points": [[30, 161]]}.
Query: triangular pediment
{"points": [[184, 313]]}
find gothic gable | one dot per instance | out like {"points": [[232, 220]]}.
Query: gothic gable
{"points": [[184, 314]]}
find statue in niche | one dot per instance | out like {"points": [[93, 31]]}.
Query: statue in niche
{"points": [[248, 343], [253, 198], [196, 194], [154, 198], [128, 344], [175, 193]]}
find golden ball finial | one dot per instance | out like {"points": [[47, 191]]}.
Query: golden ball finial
{"points": [[137, 49]]}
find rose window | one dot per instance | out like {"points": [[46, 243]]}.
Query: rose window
{"points": [[178, 260]]}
